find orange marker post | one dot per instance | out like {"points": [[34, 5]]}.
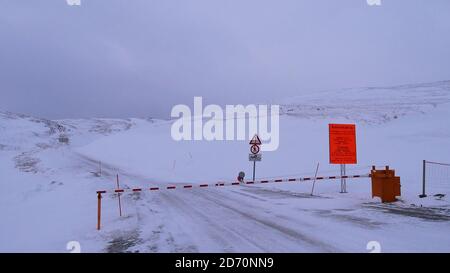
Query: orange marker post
{"points": [[99, 209]]}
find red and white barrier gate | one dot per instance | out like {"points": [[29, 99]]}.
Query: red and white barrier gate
{"points": [[219, 184]]}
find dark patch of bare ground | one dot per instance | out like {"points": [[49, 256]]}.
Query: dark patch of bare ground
{"points": [[123, 241], [279, 194], [424, 213], [345, 217], [26, 163]]}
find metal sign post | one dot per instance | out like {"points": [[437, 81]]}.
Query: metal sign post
{"points": [[254, 158], [343, 180], [254, 168], [255, 155]]}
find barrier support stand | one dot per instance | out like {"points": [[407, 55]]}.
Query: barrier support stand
{"points": [[99, 209]]}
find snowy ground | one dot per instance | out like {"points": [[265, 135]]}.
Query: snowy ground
{"points": [[48, 189]]}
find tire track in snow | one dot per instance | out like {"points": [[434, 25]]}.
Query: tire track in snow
{"points": [[288, 233], [211, 210], [214, 232]]}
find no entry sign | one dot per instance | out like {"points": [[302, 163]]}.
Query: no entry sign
{"points": [[342, 143]]}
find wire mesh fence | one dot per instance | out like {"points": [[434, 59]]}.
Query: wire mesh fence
{"points": [[435, 178]]}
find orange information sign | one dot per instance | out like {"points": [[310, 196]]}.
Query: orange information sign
{"points": [[342, 143]]}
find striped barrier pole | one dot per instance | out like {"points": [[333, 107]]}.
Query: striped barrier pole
{"points": [[218, 184], [222, 184]]}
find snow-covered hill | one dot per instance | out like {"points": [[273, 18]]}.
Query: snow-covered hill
{"points": [[374, 105], [48, 194]]}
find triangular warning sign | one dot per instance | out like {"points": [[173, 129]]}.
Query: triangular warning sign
{"points": [[255, 140]]}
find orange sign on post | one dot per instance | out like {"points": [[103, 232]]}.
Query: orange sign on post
{"points": [[342, 143]]}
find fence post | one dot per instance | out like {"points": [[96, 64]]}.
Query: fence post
{"points": [[99, 209], [315, 177], [423, 179]]}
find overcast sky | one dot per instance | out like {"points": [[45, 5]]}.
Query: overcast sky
{"points": [[137, 58]]}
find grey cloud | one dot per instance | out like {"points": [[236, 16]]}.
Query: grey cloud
{"points": [[116, 58]]}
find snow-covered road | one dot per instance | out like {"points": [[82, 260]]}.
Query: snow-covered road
{"points": [[264, 218]]}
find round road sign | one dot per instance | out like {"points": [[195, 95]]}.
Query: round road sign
{"points": [[254, 149]]}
